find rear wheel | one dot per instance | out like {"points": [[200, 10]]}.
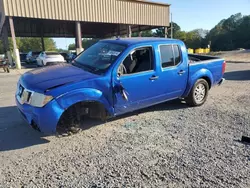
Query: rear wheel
{"points": [[199, 93]]}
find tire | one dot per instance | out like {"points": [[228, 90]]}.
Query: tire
{"points": [[69, 123], [199, 93]]}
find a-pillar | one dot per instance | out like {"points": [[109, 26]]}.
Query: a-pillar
{"points": [[79, 48], [6, 44], [15, 50]]}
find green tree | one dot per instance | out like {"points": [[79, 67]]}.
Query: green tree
{"points": [[147, 33], [230, 33], [1, 47], [160, 32], [86, 43], [72, 47], [27, 44]]}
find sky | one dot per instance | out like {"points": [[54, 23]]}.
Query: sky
{"points": [[194, 14]]}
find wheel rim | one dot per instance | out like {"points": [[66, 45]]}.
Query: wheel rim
{"points": [[200, 92]]}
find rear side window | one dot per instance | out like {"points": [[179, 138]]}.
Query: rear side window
{"points": [[170, 55], [177, 54]]}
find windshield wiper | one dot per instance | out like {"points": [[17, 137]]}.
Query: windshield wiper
{"points": [[83, 66]]}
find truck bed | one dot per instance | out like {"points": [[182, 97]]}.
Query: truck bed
{"points": [[195, 58], [208, 65]]}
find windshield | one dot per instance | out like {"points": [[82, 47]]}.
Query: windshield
{"points": [[99, 57]]}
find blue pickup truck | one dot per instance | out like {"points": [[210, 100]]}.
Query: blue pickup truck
{"points": [[114, 77]]}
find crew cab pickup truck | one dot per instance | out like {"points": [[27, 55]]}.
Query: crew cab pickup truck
{"points": [[114, 77]]}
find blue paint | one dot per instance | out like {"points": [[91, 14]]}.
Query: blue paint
{"points": [[70, 84]]}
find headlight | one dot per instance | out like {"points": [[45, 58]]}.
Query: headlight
{"points": [[39, 100]]}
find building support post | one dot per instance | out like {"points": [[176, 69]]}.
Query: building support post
{"points": [[15, 50], [6, 44], [118, 31], [166, 32], [79, 48], [129, 31], [42, 38], [43, 46], [140, 32]]}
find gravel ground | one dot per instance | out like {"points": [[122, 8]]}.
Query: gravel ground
{"points": [[168, 145]]}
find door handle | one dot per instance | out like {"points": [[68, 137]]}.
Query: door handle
{"points": [[181, 72], [154, 77]]}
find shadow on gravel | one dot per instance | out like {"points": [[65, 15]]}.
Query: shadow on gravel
{"points": [[170, 105], [238, 75], [15, 133], [29, 66]]}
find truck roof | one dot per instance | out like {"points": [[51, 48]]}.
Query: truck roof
{"points": [[139, 40]]}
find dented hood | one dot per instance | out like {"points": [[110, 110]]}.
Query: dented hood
{"points": [[46, 78]]}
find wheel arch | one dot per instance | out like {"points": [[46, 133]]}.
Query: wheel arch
{"points": [[201, 74], [86, 95]]}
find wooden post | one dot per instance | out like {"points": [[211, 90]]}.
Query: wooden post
{"points": [[15, 50]]}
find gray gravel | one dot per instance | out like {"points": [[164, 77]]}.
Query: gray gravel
{"points": [[168, 145]]}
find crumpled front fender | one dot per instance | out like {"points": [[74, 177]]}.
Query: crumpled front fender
{"points": [[81, 95]]}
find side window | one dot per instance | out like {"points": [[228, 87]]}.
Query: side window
{"points": [[170, 55], [177, 54], [140, 60], [167, 56]]}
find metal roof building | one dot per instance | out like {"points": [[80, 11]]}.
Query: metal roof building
{"points": [[80, 18]]}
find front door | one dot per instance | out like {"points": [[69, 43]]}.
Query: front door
{"points": [[135, 84]]}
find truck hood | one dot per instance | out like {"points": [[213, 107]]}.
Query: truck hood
{"points": [[47, 78]]}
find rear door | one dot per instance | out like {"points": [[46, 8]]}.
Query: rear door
{"points": [[174, 71]]}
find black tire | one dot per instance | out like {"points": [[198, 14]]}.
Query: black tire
{"points": [[199, 99], [69, 123]]}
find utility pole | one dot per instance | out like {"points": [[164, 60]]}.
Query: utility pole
{"points": [[171, 25]]}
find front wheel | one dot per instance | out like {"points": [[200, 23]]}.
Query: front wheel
{"points": [[199, 93]]}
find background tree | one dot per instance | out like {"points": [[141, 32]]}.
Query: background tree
{"points": [[1, 47], [231, 33], [27, 44], [147, 33]]}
